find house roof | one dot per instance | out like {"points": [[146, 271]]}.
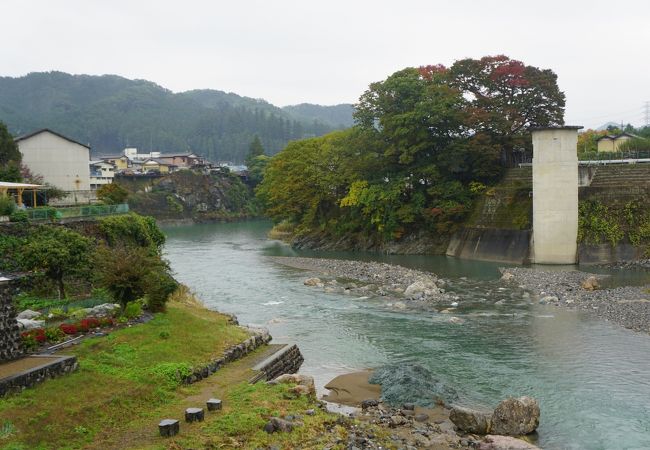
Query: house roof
{"points": [[171, 155], [27, 136], [7, 184], [613, 137], [159, 162]]}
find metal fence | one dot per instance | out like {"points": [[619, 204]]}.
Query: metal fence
{"points": [[613, 156], [49, 213]]}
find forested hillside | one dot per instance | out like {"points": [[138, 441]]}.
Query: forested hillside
{"points": [[337, 116], [110, 112]]}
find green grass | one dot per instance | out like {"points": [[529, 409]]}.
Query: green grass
{"points": [[128, 381], [120, 378]]}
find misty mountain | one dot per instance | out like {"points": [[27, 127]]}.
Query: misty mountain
{"points": [[110, 112], [337, 116]]}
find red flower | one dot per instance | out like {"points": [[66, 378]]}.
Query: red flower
{"points": [[68, 328]]}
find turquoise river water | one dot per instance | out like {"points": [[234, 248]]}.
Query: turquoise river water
{"points": [[592, 378]]}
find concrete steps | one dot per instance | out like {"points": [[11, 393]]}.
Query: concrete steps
{"points": [[518, 176], [622, 176]]}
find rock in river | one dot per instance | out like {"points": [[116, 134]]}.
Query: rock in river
{"points": [[471, 420], [516, 416], [313, 282]]}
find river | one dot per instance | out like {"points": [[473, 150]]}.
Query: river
{"points": [[590, 377]]}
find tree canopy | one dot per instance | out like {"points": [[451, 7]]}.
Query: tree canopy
{"points": [[425, 138], [10, 157]]}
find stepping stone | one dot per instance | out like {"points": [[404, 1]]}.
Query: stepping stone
{"points": [[194, 415], [168, 427], [214, 404]]}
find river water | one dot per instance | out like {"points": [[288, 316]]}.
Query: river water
{"points": [[592, 378]]}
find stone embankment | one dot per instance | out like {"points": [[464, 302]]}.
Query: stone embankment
{"points": [[628, 306], [406, 288]]}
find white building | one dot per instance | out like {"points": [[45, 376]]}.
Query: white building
{"points": [[61, 161], [101, 173]]}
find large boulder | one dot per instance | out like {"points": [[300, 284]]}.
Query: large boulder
{"points": [[27, 324], [425, 287], [105, 309], [28, 314], [304, 383], [507, 276], [516, 416], [314, 282], [471, 420], [491, 442], [589, 284]]}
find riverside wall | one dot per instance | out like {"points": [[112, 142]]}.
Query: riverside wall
{"points": [[11, 346], [500, 227]]}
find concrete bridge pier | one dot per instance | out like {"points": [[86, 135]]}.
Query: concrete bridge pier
{"points": [[555, 195]]}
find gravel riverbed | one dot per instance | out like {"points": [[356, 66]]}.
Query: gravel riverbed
{"points": [[628, 306], [403, 288]]}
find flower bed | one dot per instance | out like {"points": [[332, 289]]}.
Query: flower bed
{"points": [[33, 339]]}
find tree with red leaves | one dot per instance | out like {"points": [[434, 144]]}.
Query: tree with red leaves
{"points": [[507, 97]]}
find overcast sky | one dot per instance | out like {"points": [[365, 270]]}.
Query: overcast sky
{"points": [[327, 52]]}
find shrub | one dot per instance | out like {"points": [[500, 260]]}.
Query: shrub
{"points": [[133, 310], [160, 286], [54, 334], [112, 194], [7, 205], [33, 338], [19, 216], [88, 324], [77, 313], [106, 322], [68, 328]]}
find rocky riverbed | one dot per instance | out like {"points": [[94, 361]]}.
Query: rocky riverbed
{"points": [[403, 288], [628, 306]]}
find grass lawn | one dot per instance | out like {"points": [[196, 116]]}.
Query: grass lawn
{"points": [[128, 381], [121, 378]]}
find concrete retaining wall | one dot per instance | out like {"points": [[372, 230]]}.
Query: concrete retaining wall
{"points": [[286, 360], [491, 244], [607, 254], [29, 378], [232, 354]]}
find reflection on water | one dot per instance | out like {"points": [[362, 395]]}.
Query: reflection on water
{"points": [[589, 376]]}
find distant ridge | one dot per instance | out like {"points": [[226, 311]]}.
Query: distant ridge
{"points": [[112, 112]]}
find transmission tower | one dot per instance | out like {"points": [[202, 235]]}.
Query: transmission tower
{"points": [[646, 113]]}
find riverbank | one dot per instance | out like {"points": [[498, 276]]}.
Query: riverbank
{"points": [[627, 306], [132, 378]]}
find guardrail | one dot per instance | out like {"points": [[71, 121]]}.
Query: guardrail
{"points": [[614, 156], [49, 213]]}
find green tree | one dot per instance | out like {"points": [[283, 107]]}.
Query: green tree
{"points": [[112, 194], [10, 157], [130, 273], [507, 97], [254, 150], [256, 167], [57, 252]]}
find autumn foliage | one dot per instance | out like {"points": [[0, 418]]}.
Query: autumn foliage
{"points": [[423, 137]]}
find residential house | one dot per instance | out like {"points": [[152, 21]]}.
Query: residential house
{"points": [[121, 162], [157, 165], [61, 161], [612, 142], [101, 173], [182, 160]]}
